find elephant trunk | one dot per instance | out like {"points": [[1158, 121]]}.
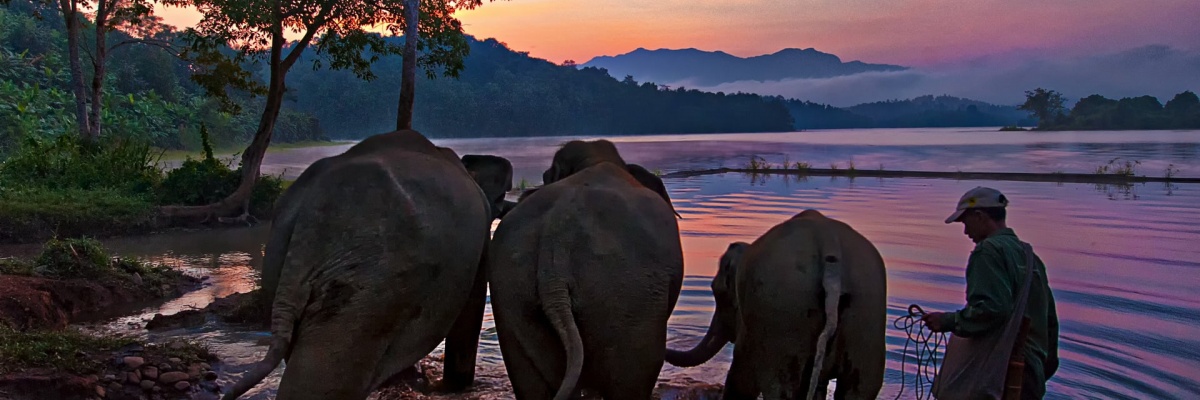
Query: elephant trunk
{"points": [[275, 354], [714, 340]]}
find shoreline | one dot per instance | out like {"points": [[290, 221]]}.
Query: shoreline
{"points": [[996, 176]]}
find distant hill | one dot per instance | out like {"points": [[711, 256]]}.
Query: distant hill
{"points": [[919, 112], [506, 93], [706, 68]]}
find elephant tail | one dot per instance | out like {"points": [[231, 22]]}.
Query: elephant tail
{"points": [[830, 251], [286, 306], [556, 303]]}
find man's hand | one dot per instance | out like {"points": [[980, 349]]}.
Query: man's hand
{"points": [[934, 320]]}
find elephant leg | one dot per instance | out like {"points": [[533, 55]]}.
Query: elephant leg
{"points": [[462, 344], [332, 360], [860, 376], [533, 354], [629, 368], [740, 382]]}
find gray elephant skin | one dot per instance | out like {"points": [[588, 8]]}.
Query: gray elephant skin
{"points": [[373, 258], [584, 274], [810, 291]]}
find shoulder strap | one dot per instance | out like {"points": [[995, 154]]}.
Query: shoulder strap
{"points": [[1030, 262]]}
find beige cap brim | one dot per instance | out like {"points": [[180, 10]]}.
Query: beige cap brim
{"points": [[954, 217]]}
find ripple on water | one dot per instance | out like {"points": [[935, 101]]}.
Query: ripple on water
{"points": [[1123, 270]]}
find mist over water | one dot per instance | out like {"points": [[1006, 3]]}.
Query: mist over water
{"points": [[1122, 260], [1155, 70]]}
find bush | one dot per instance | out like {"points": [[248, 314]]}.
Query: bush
{"points": [[73, 258], [206, 181], [69, 162]]}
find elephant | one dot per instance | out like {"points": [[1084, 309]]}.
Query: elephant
{"points": [[584, 274], [368, 266], [810, 291]]}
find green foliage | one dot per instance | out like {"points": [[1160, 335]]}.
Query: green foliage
{"points": [[59, 350], [206, 181], [1097, 112], [148, 92], [74, 258], [1045, 105], [501, 92], [67, 162], [16, 266]]}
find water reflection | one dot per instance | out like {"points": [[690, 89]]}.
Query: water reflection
{"points": [[1122, 271]]}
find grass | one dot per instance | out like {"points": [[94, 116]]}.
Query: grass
{"points": [[36, 213], [64, 350], [87, 259], [1115, 168], [1171, 171], [233, 151], [757, 163]]}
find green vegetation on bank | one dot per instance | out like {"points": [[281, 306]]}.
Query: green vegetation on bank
{"points": [[86, 258], [58, 350], [1097, 112], [65, 186]]}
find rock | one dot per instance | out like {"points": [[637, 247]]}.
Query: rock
{"points": [[109, 378], [177, 345], [164, 367], [115, 387], [150, 372], [174, 360], [133, 362], [132, 377], [147, 384], [183, 385], [172, 377], [100, 391], [137, 279], [194, 371], [205, 365], [182, 319], [210, 376]]}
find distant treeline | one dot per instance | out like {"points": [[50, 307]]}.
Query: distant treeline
{"points": [[919, 112], [1097, 112], [505, 93]]}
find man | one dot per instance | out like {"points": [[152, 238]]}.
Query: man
{"points": [[995, 272]]}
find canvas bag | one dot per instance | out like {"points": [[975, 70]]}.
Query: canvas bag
{"points": [[975, 368]]}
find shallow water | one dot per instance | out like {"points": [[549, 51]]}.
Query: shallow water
{"points": [[1121, 259]]}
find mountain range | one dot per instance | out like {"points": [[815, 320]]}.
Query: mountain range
{"points": [[707, 68]]}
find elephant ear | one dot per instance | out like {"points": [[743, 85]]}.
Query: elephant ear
{"points": [[652, 182], [727, 269]]}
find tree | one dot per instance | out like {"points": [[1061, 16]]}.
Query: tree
{"points": [[1045, 105], [132, 16], [440, 35], [255, 29]]}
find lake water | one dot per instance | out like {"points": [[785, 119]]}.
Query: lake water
{"points": [[1122, 260]]}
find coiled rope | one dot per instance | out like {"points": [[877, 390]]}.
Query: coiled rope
{"points": [[925, 344]]}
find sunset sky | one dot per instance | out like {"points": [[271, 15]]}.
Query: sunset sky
{"points": [[908, 32]]}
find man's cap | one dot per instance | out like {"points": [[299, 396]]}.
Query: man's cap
{"points": [[979, 197]]}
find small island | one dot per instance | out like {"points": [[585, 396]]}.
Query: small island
{"points": [[1097, 112]]}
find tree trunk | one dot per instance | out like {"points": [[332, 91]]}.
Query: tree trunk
{"points": [[103, 8], [253, 156], [408, 69], [71, 18]]}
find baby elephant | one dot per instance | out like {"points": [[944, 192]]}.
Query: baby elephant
{"points": [[810, 291]]}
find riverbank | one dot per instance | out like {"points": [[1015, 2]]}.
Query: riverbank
{"points": [[43, 356]]}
